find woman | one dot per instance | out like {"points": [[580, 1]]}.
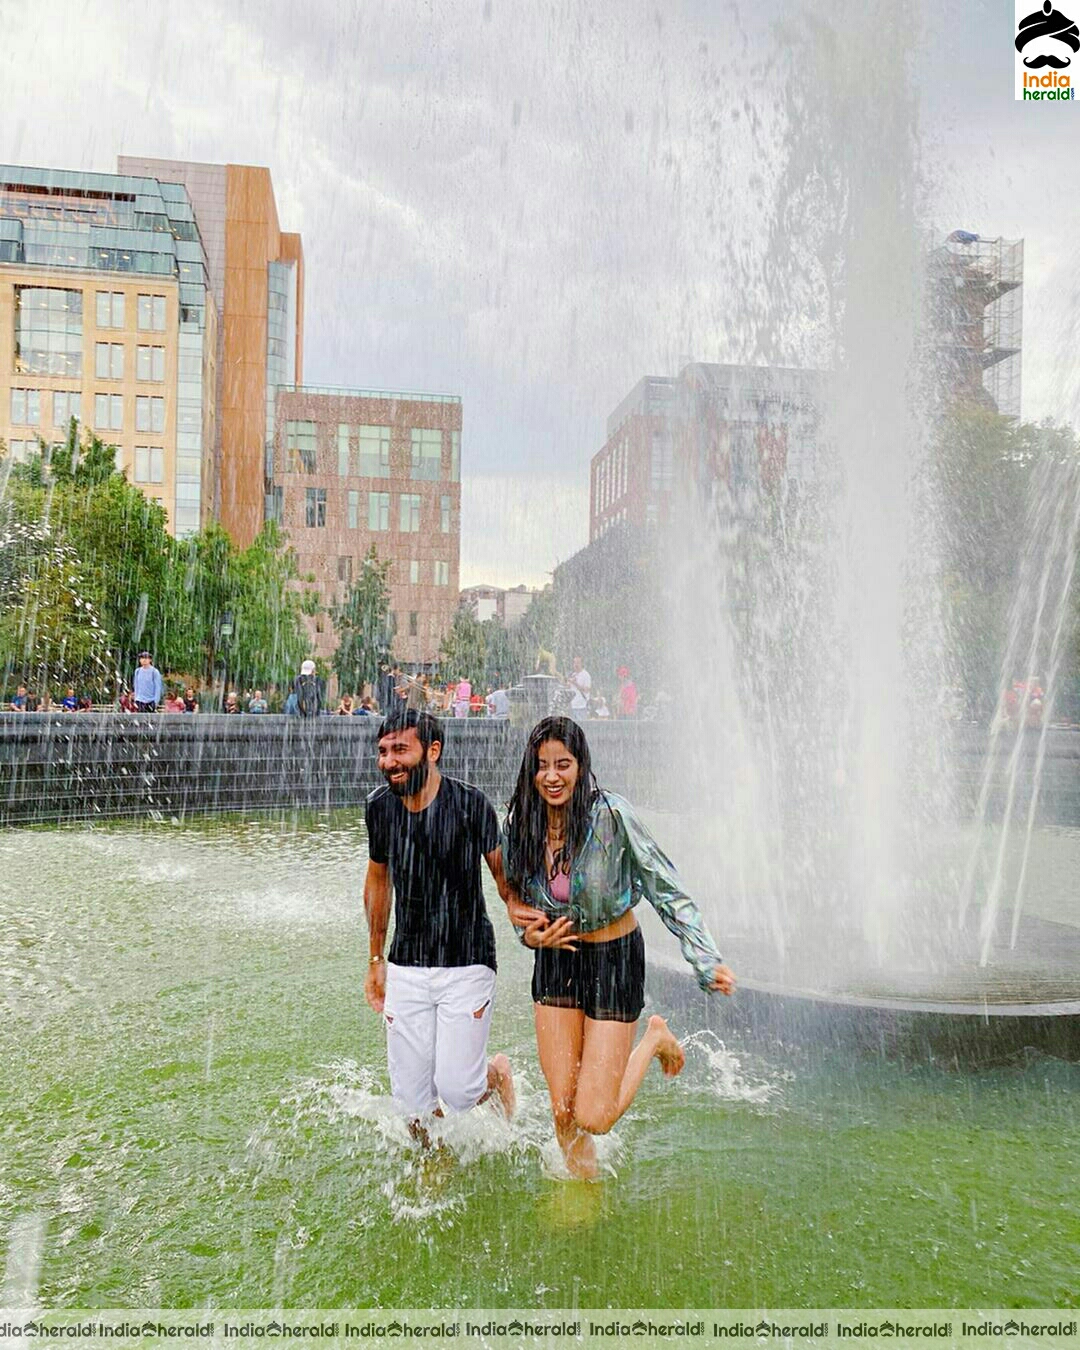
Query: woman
{"points": [[345, 707], [579, 860]]}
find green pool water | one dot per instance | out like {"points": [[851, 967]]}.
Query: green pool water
{"points": [[195, 1113]]}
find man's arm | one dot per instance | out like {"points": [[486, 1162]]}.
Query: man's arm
{"points": [[377, 909]]}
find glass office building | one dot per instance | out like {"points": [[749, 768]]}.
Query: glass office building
{"points": [[106, 315]]}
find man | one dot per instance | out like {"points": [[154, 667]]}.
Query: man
{"points": [[147, 687], [256, 703], [498, 704], [581, 682], [310, 691], [18, 703], [427, 833]]}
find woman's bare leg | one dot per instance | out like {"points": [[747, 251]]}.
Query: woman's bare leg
{"points": [[611, 1072], [559, 1039]]}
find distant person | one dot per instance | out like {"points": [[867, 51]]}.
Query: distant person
{"points": [[86, 703], [69, 702], [174, 702], [365, 708], [256, 703], [232, 702], [191, 702], [498, 705], [386, 687], [462, 697], [580, 682], [147, 686], [345, 706], [127, 702], [291, 709], [628, 695], [600, 707], [19, 701], [428, 834], [310, 691]]}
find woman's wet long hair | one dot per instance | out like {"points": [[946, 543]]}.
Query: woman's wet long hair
{"points": [[526, 816]]}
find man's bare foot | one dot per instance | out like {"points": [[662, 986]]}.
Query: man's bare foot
{"points": [[501, 1081], [668, 1050]]}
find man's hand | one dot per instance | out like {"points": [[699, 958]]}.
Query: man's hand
{"points": [[723, 981], [375, 985], [542, 932]]}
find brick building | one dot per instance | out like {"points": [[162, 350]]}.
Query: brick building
{"points": [[356, 468]]}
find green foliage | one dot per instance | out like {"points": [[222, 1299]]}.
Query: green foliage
{"points": [[363, 625], [463, 653], [142, 587]]}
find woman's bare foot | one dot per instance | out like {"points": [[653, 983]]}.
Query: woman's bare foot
{"points": [[668, 1050], [501, 1081], [579, 1153]]}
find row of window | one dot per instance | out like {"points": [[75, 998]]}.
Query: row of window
{"points": [[440, 571], [149, 459], [611, 474], [378, 511], [365, 450], [109, 362], [49, 330], [108, 410]]}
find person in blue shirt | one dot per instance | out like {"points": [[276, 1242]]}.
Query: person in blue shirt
{"points": [[147, 685], [69, 702]]}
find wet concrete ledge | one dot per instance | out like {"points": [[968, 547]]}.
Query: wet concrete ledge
{"points": [[65, 767]]}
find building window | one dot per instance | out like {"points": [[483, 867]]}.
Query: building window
{"points": [[149, 464], [275, 504], [378, 510], [48, 331], [109, 412], [151, 313], [354, 510], [412, 622], [342, 449], [65, 406], [409, 522], [444, 514], [414, 572], [26, 407], [373, 451], [455, 456], [21, 451], [442, 574], [300, 444], [110, 309], [426, 454], [149, 413], [108, 360], [150, 364], [315, 508], [344, 570]]}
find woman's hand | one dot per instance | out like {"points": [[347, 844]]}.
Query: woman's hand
{"points": [[521, 914], [543, 932], [723, 981]]}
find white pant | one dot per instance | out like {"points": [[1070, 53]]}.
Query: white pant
{"points": [[437, 1024]]}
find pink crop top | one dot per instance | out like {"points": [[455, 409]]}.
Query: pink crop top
{"points": [[559, 886]]}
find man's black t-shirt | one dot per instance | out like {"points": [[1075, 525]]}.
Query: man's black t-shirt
{"points": [[435, 857]]}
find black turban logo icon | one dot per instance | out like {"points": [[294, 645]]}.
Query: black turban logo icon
{"points": [[1048, 23]]}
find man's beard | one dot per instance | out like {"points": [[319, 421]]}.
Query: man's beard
{"points": [[413, 781]]}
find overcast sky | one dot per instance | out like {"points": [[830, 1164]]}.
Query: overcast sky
{"points": [[533, 205]]}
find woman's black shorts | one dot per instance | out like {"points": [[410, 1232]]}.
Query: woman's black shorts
{"points": [[606, 980]]}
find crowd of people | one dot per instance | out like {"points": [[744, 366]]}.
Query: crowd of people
{"points": [[307, 696]]}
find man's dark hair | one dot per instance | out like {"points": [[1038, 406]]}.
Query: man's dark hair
{"points": [[401, 719]]}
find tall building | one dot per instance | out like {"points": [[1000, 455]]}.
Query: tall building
{"points": [[356, 468], [975, 303], [106, 315], [747, 427], [257, 273]]}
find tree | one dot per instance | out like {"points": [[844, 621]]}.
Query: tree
{"points": [[363, 625], [463, 652]]}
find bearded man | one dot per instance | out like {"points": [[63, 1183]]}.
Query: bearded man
{"points": [[427, 834]]}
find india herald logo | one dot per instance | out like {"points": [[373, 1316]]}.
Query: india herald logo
{"points": [[1047, 27]]}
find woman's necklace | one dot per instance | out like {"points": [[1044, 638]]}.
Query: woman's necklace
{"points": [[556, 846]]}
